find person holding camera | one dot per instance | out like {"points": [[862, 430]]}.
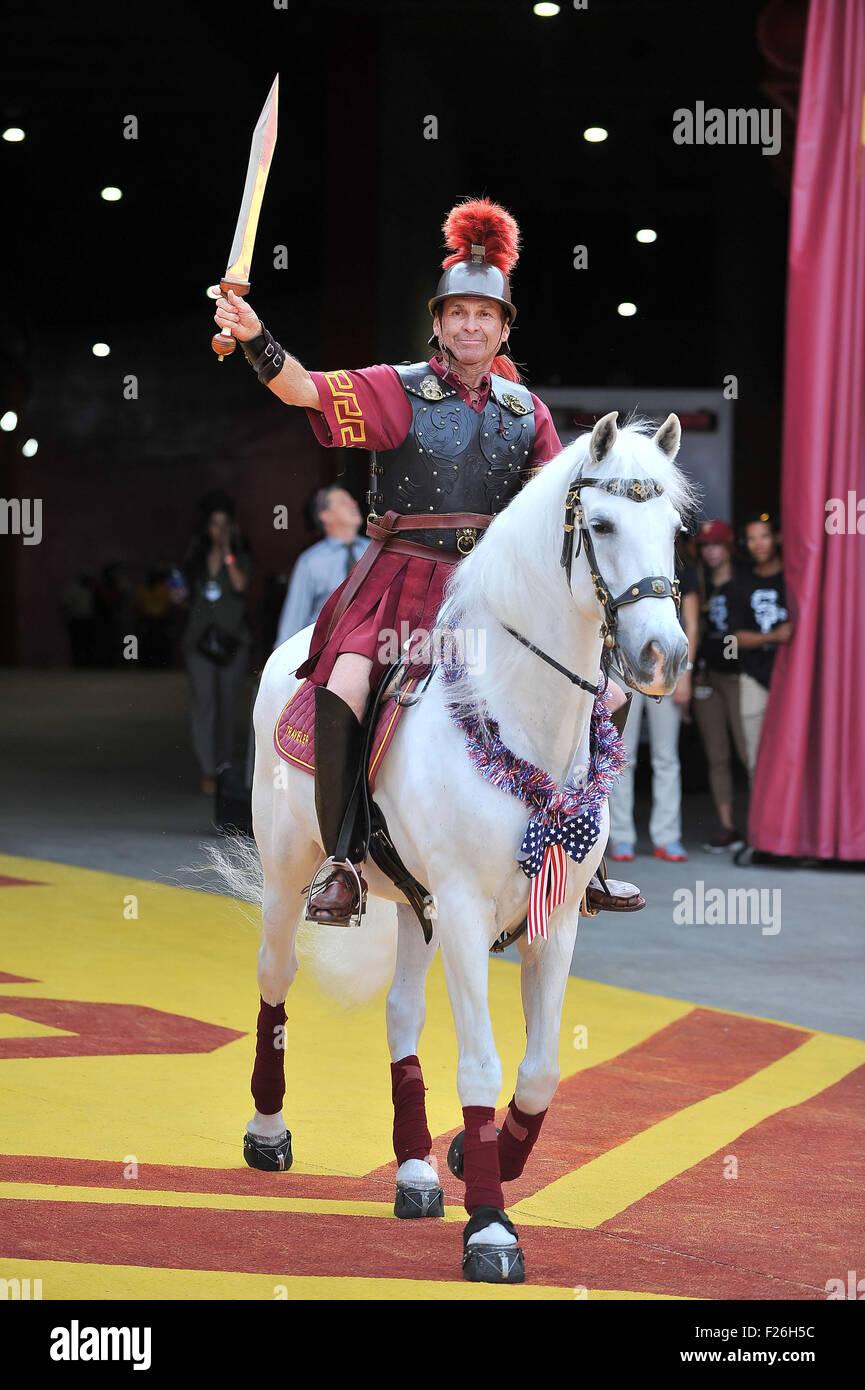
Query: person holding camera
{"points": [[218, 638]]}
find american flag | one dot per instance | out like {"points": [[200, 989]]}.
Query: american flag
{"points": [[547, 891]]}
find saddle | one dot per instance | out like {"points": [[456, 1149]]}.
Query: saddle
{"points": [[364, 830]]}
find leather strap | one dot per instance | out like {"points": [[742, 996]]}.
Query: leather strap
{"points": [[423, 552], [352, 584], [445, 521]]}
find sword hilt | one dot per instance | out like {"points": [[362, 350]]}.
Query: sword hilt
{"points": [[223, 342]]}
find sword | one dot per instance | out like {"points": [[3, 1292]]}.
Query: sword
{"points": [[240, 256]]}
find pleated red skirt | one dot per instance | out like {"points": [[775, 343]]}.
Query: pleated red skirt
{"points": [[401, 594]]}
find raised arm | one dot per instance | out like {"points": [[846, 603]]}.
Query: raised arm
{"points": [[293, 383]]}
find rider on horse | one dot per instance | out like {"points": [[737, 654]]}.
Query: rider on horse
{"points": [[452, 440]]}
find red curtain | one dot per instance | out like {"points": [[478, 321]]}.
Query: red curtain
{"points": [[809, 788]]}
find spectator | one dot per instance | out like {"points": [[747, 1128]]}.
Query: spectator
{"points": [[323, 567], [155, 611], [112, 614], [79, 614], [218, 638], [716, 686], [664, 719], [760, 622]]}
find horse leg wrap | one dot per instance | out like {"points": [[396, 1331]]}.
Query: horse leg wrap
{"points": [[268, 1076], [491, 1264], [517, 1139], [411, 1136], [481, 1159]]}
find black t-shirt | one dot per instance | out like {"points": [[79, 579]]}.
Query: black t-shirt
{"points": [[715, 627], [758, 603]]}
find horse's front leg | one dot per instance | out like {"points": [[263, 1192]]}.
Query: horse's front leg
{"points": [[418, 1192], [543, 980], [491, 1253], [267, 1141]]}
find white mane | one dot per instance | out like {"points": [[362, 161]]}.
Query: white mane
{"points": [[517, 568]]}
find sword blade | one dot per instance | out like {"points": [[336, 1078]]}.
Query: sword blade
{"points": [[260, 156]]}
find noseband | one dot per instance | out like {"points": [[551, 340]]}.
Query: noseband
{"points": [[651, 586]]}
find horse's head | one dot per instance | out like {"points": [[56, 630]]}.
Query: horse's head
{"points": [[627, 521]]}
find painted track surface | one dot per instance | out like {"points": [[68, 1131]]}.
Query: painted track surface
{"points": [[126, 1046]]}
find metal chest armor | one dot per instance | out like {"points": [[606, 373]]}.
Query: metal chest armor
{"points": [[455, 459]]}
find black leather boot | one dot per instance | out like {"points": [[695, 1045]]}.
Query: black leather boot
{"points": [[339, 805]]}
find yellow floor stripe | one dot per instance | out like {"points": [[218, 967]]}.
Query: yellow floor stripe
{"points": [[609, 1184], [218, 1201], [194, 954], [213, 1201], [63, 1280]]}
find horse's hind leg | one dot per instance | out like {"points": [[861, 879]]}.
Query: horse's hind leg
{"points": [[418, 1192], [267, 1142]]}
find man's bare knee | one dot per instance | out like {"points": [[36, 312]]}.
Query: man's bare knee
{"points": [[350, 680]]}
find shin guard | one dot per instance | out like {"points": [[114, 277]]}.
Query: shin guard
{"points": [[517, 1139], [411, 1136], [268, 1076], [481, 1159]]}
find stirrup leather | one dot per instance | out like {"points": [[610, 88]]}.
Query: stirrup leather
{"points": [[319, 881]]}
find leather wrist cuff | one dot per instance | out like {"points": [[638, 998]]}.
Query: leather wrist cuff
{"points": [[254, 348], [265, 356]]}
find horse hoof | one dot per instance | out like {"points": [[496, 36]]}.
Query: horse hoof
{"points": [[494, 1264], [418, 1201], [269, 1158]]}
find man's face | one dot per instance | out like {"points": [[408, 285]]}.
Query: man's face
{"points": [[342, 511], [760, 541], [471, 328]]}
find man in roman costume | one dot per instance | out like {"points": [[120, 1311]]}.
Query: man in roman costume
{"points": [[452, 440]]}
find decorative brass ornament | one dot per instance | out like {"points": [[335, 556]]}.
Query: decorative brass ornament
{"points": [[514, 404], [466, 539], [430, 389], [658, 586]]}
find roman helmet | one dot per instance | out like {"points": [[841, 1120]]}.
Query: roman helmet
{"points": [[484, 240]]}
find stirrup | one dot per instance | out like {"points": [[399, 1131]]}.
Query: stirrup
{"points": [[319, 882]]}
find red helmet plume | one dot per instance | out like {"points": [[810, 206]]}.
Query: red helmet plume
{"points": [[481, 222]]}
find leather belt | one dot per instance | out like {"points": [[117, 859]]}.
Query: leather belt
{"points": [[384, 537]]}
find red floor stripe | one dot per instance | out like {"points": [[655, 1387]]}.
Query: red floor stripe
{"points": [[596, 1110], [284, 1244], [156, 1177], [796, 1205]]}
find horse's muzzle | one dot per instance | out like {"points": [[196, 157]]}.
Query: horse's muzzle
{"points": [[660, 667]]}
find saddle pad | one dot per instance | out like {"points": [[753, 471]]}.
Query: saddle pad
{"points": [[294, 735]]}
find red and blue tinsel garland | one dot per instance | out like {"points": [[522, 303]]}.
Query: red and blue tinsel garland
{"points": [[564, 818]]}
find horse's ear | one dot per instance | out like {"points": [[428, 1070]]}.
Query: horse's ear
{"points": [[603, 437], [669, 436]]}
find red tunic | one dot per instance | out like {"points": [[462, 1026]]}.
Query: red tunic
{"points": [[368, 409]]}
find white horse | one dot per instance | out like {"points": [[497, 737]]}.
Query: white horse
{"points": [[457, 833]]}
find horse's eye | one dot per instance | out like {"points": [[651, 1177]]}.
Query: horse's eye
{"points": [[602, 528]]}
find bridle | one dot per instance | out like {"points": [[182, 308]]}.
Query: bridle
{"points": [[651, 586]]}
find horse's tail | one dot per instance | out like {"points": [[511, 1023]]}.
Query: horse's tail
{"points": [[235, 862], [350, 966]]}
